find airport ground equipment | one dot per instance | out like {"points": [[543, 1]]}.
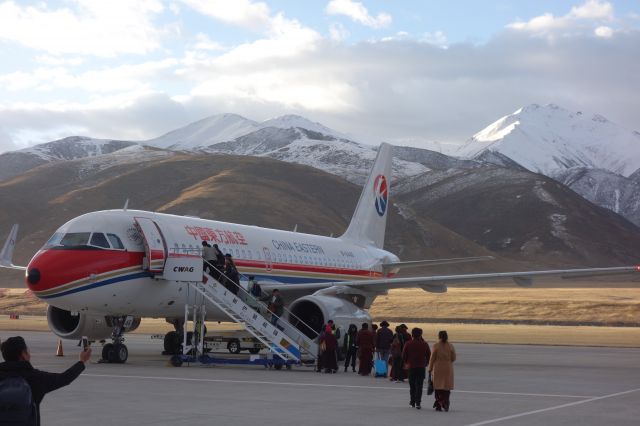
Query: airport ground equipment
{"points": [[286, 344]]}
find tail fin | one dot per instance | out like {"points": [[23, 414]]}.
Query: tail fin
{"points": [[370, 218]]}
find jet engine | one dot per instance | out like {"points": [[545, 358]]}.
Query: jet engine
{"points": [[315, 310], [69, 326]]}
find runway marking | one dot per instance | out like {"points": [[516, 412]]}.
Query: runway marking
{"points": [[557, 407], [320, 385]]}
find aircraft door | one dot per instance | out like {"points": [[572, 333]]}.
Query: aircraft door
{"points": [[268, 260], [154, 244]]}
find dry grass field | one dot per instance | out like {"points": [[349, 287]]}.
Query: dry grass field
{"points": [[461, 311]]}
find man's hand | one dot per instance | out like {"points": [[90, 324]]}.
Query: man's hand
{"points": [[85, 355]]}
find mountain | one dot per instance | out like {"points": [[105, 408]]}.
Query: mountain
{"points": [[16, 162], [214, 129], [228, 127], [521, 216], [606, 189], [338, 156], [544, 139]]}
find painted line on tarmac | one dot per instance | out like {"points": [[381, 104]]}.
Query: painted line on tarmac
{"points": [[319, 385], [557, 407]]}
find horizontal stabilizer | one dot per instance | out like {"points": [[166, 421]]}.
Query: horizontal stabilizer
{"points": [[6, 255], [433, 262]]}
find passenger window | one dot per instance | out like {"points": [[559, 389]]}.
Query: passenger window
{"points": [[116, 243], [75, 239], [99, 240]]}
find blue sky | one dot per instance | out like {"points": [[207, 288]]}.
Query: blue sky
{"points": [[408, 72]]}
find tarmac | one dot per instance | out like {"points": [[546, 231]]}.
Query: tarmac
{"points": [[495, 384]]}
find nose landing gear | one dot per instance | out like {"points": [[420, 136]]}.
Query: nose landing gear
{"points": [[117, 352]]}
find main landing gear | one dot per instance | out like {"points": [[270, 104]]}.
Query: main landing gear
{"points": [[117, 352]]}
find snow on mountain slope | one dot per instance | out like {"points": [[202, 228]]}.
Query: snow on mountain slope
{"points": [[606, 189], [71, 148], [214, 129], [341, 157], [228, 127], [546, 138]]}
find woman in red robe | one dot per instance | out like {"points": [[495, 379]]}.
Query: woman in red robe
{"points": [[329, 359], [366, 343]]}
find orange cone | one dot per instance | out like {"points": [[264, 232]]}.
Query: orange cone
{"points": [[59, 351]]}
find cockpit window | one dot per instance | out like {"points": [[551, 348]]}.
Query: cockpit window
{"points": [[75, 239], [116, 243], [99, 240], [54, 240]]}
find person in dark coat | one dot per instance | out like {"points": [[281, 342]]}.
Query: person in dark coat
{"points": [[384, 337], [416, 355], [329, 355], [275, 305], [350, 348], [232, 276], [365, 341], [397, 345], [17, 363]]}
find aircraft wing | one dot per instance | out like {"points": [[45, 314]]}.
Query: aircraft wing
{"points": [[6, 255], [433, 262], [438, 283]]}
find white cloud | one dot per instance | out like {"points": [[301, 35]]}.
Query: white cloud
{"points": [[593, 9], [574, 21], [86, 27], [122, 78], [203, 42], [358, 13], [437, 38], [338, 32], [604, 31], [243, 13]]}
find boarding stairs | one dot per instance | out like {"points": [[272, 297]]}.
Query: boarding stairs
{"points": [[286, 340]]}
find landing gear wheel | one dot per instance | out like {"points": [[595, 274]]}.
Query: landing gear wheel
{"points": [[254, 350], [106, 352], [171, 343], [119, 354], [176, 361], [234, 346], [277, 366]]}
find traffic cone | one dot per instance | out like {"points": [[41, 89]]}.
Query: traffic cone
{"points": [[59, 351]]}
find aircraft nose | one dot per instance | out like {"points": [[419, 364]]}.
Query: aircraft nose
{"points": [[33, 276]]}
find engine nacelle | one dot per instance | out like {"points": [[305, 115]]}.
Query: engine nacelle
{"points": [[69, 326], [316, 310]]}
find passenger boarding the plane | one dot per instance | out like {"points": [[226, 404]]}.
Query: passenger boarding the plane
{"points": [[254, 292], [276, 305], [231, 275], [209, 256]]}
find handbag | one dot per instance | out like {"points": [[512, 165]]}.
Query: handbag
{"points": [[429, 385]]}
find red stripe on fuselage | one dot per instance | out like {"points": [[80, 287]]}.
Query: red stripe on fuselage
{"points": [[60, 266]]}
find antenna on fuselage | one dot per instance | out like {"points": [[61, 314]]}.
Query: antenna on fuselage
{"points": [[126, 204], [295, 228]]}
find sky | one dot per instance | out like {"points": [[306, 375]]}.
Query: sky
{"points": [[409, 72]]}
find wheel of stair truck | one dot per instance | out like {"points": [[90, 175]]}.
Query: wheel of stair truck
{"points": [[254, 351], [234, 346], [106, 352], [176, 361], [119, 354]]}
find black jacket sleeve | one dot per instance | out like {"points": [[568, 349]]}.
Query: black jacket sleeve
{"points": [[43, 382]]}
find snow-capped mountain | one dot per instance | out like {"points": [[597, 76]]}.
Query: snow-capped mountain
{"points": [[544, 139], [342, 157], [228, 127], [71, 148], [210, 130]]}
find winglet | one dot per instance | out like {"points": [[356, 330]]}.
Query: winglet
{"points": [[6, 255]]}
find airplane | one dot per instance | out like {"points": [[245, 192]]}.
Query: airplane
{"points": [[101, 272]]}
